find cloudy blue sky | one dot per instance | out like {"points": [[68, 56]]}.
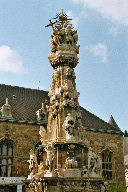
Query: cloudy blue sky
{"points": [[102, 72]]}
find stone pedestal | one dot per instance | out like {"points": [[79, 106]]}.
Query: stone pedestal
{"points": [[72, 173]]}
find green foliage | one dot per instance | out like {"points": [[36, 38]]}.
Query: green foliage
{"points": [[24, 188], [113, 187]]}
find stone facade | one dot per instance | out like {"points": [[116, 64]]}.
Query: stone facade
{"points": [[24, 137], [19, 133], [113, 142]]}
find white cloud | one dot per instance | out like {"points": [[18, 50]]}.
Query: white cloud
{"points": [[10, 60], [75, 20], [116, 10], [114, 30], [99, 50]]}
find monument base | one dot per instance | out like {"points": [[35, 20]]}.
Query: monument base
{"points": [[72, 173]]}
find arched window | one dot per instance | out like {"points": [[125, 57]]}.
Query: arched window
{"points": [[6, 158], [107, 164], [42, 116]]}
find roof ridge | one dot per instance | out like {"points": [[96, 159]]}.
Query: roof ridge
{"points": [[28, 101], [101, 120], [95, 116], [22, 87]]}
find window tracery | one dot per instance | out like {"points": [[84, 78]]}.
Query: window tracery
{"points": [[6, 158], [107, 164]]}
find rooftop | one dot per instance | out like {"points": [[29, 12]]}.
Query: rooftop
{"points": [[25, 102]]}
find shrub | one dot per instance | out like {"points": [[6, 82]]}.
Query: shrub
{"points": [[113, 187]]}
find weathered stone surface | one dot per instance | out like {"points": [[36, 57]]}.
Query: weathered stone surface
{"points": [[24, 137], [72, 173]]}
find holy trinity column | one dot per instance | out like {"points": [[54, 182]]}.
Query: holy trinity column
{"points": [[64, 153], [64, 115]]}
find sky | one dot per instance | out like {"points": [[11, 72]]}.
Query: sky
{"points": [[102, 72]]}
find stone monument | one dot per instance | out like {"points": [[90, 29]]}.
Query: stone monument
{"points": [[67, 163]]}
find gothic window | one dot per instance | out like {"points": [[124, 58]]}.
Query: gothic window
{"points": [[6, 159], [42, 116], [107, 164]]}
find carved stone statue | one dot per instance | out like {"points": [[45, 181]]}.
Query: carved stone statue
{"points": [[50, 157], [102, 188], [94, 164], [71, 163], [69, 125], [42, 133], [33, 164], [41, 113]]}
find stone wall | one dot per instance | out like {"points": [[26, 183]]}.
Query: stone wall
{"points": [[114, 142], [68, 184], [24, 137]]}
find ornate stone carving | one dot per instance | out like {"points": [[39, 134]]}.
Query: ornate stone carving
{"points": [[88, 186], [42, 113], [59, 170], [85, 172], [64, 48], [50, 156], [94, 164], [36, 185], [42, 133], [69, 71], [33, 164], [64, 153], [6, 109], [69, 125], [71, 163]]}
